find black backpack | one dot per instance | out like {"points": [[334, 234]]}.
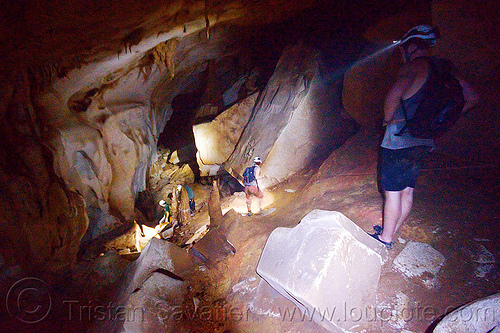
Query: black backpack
{"points": [[249, 174], [441, 104]]}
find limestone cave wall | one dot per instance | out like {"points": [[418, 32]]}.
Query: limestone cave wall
{"points": [[88, 88]]}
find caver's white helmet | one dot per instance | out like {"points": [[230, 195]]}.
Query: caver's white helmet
{"points": [[428, 33], [162, 202], [257, 160]]}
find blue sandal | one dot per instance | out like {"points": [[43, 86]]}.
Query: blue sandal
{"points": [[378, 229], [387, 244]]}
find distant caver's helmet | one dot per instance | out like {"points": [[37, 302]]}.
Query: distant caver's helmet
{"points": [[257, 160], [430, 34]]}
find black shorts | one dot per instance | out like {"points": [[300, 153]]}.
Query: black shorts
{"points": [[399, 168]]}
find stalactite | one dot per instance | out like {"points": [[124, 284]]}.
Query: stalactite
{"points": [[146, 65], [42, 75], [133, 38], [164, 54]]}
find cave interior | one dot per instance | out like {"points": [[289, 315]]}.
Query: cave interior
{"points": [[107, 106]]}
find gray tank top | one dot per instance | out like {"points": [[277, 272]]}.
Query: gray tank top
{"points": [[392, 141]]}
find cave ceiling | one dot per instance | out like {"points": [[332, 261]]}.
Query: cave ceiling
{"points": [[69, 34]]}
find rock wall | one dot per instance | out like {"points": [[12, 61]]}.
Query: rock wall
{"points": [[104, 150], [470, 31], [105, 118], [41, 220], [84, 101]]}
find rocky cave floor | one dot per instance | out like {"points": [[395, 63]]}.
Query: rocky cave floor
{"points": [[455, 210]]}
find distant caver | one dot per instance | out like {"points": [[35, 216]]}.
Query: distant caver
{"points": [[250, 176]]}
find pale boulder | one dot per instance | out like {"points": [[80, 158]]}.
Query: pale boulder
{"points": [[326, 264], [479, 316], [152, 293], [207, 170], [159, 255], [155, 307]]}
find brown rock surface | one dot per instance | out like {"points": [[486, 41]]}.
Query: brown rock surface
{"points": [[294, 116], [216, 140]]}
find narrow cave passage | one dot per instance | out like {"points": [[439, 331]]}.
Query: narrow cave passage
{"points": [[178, 133]]}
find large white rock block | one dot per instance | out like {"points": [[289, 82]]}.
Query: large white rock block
{"points": [[325, 265]]}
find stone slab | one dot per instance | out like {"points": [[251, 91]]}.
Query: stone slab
{"points": [[214, 247], [153, 286], [159, 254], [156, 307], [296, 118], [420, 262], [216, 140]]}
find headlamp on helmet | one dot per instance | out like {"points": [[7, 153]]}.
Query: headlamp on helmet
{"points": [[425, 32]]}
